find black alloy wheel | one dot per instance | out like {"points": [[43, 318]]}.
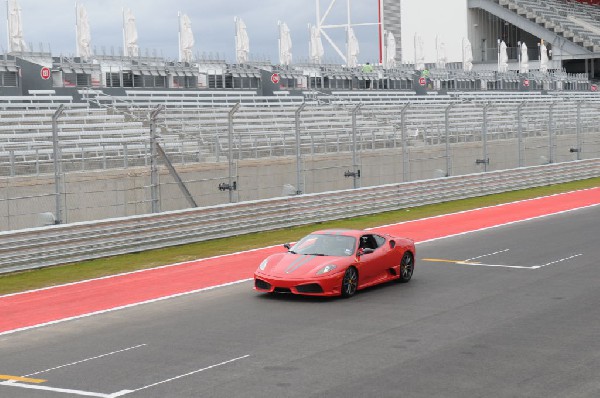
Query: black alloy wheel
{"points": [[350, 282], [407, 266]]}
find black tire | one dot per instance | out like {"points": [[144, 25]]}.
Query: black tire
{"points": [[350, 282], [407, 267]]}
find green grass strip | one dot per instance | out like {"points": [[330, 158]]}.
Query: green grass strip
{"points": [[35, 279]]}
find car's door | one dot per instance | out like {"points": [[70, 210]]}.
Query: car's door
{"points": [[370, 269]]}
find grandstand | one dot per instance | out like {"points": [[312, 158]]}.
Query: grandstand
{"points": [[113, 131], [571, 30]]}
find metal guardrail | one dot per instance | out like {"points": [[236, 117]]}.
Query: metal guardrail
{"points": [[61, 244]]}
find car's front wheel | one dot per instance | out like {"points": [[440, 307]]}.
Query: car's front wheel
{"points": [[407, 266], [350, 282]]}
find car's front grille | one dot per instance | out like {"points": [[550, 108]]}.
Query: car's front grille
{"points": [[262, 285], [282, 290], [309, 288]]}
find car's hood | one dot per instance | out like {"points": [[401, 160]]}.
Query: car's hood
{"points": [[289, 265]]}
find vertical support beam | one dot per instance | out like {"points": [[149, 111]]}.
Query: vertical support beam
{"points": [[57, 165], [154, 195], [520, 132], [551, 133], [299, 185], [484, 137], [405, 166], [579, 104], [230, 149], [355, 169], [447, 127]]}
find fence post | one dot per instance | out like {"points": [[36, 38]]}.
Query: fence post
{"points": [[447, 126], [230, 150], [520, 132], [579, 104], [154, 161], [405, 171], [485, 131], [550, 133], [299, 185], [356, 171], [57, 164]]}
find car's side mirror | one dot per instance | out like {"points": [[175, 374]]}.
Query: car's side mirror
{"points": [[287, 246]]}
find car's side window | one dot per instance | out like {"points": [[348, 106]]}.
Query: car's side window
{"points": [[368, 242], [380, 240]]}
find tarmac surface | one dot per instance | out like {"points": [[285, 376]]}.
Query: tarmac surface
{"points": [[505, 312]]}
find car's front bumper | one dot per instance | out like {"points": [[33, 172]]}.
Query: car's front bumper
{"points": [[329, 285]]}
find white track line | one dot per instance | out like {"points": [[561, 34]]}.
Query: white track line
{"points": [[487, 255], [188, 374], [66, 390], [561, 260], [123, 307], [85, 360], [508, 223], [118, 393]]}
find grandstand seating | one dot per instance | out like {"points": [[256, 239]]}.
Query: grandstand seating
{"points": [[576, 21], [193, 126]]}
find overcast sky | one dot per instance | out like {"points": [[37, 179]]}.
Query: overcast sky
{"points": [[51, 23]]}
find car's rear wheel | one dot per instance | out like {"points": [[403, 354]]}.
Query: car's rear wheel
{"points": [[350, 282], [407, 266]]}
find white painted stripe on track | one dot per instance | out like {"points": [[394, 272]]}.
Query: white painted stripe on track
{"points": [[189, 373], [66, 390], [138, 271], [124, 306], [488, 255], [86, 360], [490, 207], [508, 223]]}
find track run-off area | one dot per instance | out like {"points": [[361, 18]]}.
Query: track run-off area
{"points": [[503, 303], [39, 307]]}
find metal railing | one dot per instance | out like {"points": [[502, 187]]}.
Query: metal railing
{"points": [[60, 244]]}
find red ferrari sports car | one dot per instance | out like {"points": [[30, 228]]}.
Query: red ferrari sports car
{"points": [[337, 262]]}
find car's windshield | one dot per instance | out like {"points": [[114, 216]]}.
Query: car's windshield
{"points": [[325, 245]]}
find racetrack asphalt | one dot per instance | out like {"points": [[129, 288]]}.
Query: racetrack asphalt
{"points": [[509, 311]]}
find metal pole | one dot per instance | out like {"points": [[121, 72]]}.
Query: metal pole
{"points": [[447, 125], [154, 161], [485, 131], [299, 187], [579, 104], [57, 164], [354, 149], [520, 132], [230, 149], [551, 133], [405, 173]]}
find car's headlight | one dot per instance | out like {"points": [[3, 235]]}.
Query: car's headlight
{"points": [[326, 269], [263, 265]]}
